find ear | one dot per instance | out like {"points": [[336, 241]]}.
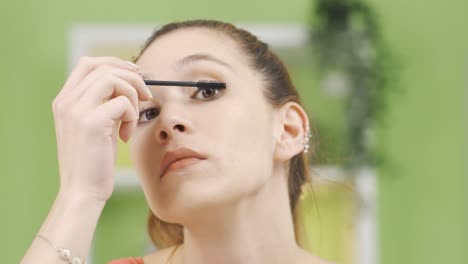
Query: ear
{"points": [[292, 128]]}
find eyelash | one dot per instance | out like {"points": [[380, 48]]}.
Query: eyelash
{"points": [[143, 110]]}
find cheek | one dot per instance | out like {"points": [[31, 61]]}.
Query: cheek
{"points": [[141, 156], [246, 149], [249, 128], [135, 146]]}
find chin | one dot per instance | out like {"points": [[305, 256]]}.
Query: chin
{"points": [[191, 198]]}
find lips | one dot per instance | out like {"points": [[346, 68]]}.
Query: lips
{"points": [[185, 154]]}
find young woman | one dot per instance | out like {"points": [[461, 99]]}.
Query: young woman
{"points": [[221, 168]]}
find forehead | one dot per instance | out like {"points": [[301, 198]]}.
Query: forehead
{"points": [[168, 49]]}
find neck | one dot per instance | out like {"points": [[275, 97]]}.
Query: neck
{"points": [[257, 229]]}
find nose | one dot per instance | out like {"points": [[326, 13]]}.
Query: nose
{"points": [[172, 120]]}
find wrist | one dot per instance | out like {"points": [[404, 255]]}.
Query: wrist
{"points": [[71, 222], [81, 198]]}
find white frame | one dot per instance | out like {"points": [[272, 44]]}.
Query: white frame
{"points": [[83, 37]]}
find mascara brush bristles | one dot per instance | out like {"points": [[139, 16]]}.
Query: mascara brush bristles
{"points": [[211, 84], [199, 84]]}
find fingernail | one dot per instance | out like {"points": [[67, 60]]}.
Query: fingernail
{"points": [[133, 65], [150, 95]]}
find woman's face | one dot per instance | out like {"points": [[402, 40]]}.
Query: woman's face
{"points": [[232, 128]]}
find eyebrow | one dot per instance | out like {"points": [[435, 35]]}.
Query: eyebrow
{"points": [[200, 57], [193, 59]]}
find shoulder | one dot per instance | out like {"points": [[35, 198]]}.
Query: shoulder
{"points": [[160, 256]]}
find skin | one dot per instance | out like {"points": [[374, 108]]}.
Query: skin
{"points": [[234, 205]]}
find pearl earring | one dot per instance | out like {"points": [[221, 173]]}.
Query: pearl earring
{"points": [[307, 139]]}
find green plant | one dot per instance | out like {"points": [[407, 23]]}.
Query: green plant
{"points": [[348, 46]]}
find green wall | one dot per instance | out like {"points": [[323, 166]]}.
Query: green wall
{"points": [[423, 209], [422, 203]]}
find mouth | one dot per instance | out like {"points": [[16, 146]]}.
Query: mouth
{"points": [[178, 159], [180, 164]]}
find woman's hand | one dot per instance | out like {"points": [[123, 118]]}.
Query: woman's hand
{"points": [[100, 94]]}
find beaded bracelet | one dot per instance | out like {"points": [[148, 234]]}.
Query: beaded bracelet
{"points": [[65, 254]]}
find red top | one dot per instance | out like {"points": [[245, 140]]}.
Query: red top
{"points": [[136, 260]]}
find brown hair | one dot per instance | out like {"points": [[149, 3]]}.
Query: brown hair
{"points": [[278, 91]]}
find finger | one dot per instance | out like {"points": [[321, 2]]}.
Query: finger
{"points": [[127, 129], [87, 64], [131, 77], [119, 108], [108, 87]]}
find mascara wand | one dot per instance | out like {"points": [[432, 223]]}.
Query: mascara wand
{"points": [[199, 84]]}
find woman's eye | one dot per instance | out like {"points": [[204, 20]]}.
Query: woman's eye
{"points": [[148, 114], [206, 93]]}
